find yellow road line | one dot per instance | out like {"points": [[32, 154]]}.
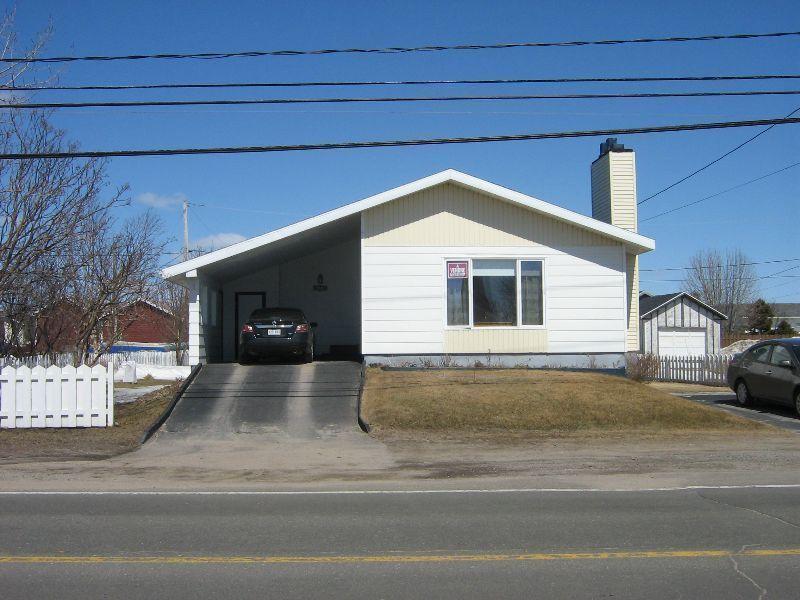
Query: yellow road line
{"points": [[394, 558]]}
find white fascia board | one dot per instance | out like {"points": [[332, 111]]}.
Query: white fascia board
{"points": [[637, 243]]}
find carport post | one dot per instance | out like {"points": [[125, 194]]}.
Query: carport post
{"points": [[196, 349]]}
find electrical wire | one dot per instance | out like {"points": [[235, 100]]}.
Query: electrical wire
{"points": [[642, 95], [395, 143], [170, 86], [760, 262], [403, 49], [715, 161], [736, 187]]}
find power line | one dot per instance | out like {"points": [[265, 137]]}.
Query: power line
{"points": [[402, 49], [740, 278], [168, 86], [642, 95], [715, 161], [396, 143], [760, 262], [736, 187]]}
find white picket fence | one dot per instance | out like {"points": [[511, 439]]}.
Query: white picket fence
{"points": [[710, 369], [56, 396], [142, 357]]}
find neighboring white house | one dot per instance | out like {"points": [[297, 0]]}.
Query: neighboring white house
{"points": [[446, 266], [679, 324]]}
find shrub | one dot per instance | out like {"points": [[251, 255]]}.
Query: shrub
{"points": [[641, 367]]}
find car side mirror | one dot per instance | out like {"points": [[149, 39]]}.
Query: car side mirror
{"points": [[314, 325], [786, 364]]}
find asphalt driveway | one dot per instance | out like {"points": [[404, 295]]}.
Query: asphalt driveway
{"points": [[298, 401], [777, 415]]}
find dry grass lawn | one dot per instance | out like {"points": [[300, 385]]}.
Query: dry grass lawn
{"points": [[130, 422], [144, 382], [535, 401]]}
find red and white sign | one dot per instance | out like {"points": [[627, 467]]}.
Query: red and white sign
{"points": [[457, 270]]}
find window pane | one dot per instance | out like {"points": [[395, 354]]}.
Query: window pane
{"points": [[759, 353], [531, 282], [494, 286], [779, 353], [458, 302]]}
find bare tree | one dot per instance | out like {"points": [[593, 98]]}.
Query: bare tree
{"points": [[44, 205], [174, 299], [725, 280], [113, 267]]}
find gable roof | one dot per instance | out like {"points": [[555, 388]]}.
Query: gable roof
{"points": [[636, 242], [649, 304]]}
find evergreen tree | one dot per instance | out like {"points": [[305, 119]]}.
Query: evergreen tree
{"points": [[760, 316], [785, 329]]}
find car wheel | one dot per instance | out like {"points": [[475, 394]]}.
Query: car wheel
{"points": [[743, 396], [245, 358], [309, 356]]}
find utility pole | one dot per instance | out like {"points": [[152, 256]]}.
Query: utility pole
{"points": [[185, 230]]}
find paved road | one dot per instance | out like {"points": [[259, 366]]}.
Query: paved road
{"points": [[765, 412], [735, 543], [302, 401]]}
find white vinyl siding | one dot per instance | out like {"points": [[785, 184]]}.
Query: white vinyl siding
{"points": [[405, 246]]}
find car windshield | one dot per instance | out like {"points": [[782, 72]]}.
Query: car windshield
{"points": [[278, 314]]}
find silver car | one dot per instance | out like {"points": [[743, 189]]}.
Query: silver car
{"points": [[768, 371]]}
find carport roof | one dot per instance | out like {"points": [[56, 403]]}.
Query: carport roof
{"points": [[635, 242]]}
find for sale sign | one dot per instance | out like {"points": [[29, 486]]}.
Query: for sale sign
{"points": [[457, 270]]}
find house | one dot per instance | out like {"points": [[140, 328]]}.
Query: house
{"points": [[144, 324], [448, 268], [679, 324], [141, 325], [787, 311]]}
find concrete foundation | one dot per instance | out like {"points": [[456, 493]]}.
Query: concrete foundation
{"points": [[613, 361]]}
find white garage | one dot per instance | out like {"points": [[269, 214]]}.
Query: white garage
{"points": [[679, 324]]}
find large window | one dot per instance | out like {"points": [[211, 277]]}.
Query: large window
{"points": [[495, 293]]}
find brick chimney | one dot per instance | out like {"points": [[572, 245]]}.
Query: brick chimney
{"points": [[614, 201], [614, 185]]}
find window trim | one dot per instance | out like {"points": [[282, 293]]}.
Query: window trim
{"points": [[517, 260]]}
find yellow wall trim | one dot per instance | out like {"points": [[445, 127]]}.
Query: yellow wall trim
{"points": [[479, 340]]}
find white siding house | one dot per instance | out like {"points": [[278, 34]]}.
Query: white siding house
{"points": [[448, 268]]}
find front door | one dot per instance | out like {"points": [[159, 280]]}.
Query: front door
{"points": [[246, 303]]}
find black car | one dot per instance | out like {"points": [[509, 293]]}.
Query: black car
{"points": [[767, 371], [277, 332]]}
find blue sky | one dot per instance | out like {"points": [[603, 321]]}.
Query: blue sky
{"points": [[762, 219]]}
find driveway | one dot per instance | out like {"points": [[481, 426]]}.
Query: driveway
{"points": [[763, 412], [304, 401], [265, 421]]}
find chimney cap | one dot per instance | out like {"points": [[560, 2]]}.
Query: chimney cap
{"points": [[611, 145]]}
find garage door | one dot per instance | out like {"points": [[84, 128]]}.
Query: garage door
{"points": [[682, 343]]}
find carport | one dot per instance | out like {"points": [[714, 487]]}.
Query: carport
{"points": [[314, 269]]}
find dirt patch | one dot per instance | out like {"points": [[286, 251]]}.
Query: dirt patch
{"points": [[130, 422], [499, 402]]}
